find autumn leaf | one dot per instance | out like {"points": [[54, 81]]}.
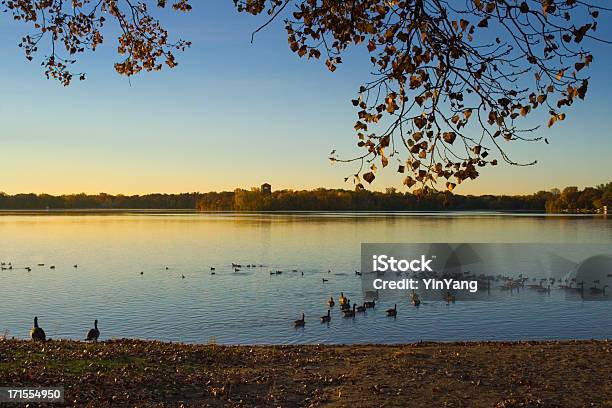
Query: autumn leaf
{"points": [[369, 177]]}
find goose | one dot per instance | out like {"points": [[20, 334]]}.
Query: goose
{"points": [[357, 273], [369, 304], [141, 273], [342, 299], [325, 280], [37, 334], [300, 322], [93, 334], [597, 290], [52, 267], [75, 266], [212, 268], [346, 306], [182, 276], [349, 312], [415, 298], [392, 312], [331, 302], [578, 289], [326, 318], [28, 269], [213, 273], [362, 308], [449, 298], [544, 289], [167, 268]]}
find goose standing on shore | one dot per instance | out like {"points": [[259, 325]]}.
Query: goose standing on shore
{"points": [[37, 334], [93, 334]]}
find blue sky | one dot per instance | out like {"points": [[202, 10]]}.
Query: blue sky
{"points": [[236, 114]]}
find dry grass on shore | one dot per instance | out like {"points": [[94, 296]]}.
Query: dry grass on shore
{"points": [[144, 373]]}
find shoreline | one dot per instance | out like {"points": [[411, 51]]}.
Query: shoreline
{"points": [[571, 373], [164, 211]]}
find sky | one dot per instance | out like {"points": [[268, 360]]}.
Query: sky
{"points": [[236, 114]]}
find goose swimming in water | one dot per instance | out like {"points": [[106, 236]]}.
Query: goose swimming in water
{"points": [[326, 318], [342, 299], [349, 312], [362, 308], [346, 306], [325, 280], [93, 334], [596, 290], [300, 322], [37, 334], [331, 302], [392, 312], [415, 299], [369, 304]]}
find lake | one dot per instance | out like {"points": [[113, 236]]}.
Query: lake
{"points": [[176, 298]]}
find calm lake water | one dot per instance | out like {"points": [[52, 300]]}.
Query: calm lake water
{"points": [[251, 306]]}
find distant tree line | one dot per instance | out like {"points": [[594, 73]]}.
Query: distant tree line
{"points": [[98, 201], [570, 199]]}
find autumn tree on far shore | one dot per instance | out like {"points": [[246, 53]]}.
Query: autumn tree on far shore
{"points": [[452, 81]]}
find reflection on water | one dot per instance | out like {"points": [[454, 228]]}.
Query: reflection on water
{"points": [[252, 305]]}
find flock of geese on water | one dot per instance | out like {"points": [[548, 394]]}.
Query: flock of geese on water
{"points": [[563, 284], [348, 311]]}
